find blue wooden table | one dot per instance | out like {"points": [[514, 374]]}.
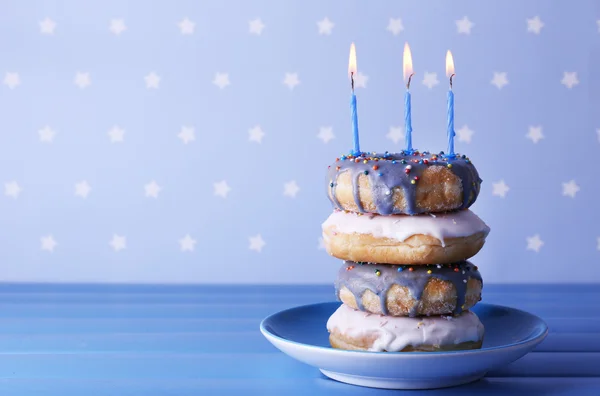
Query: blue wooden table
{"points": [[204, 340]]}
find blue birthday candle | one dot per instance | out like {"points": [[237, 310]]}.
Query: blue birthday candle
{"points": [[351, 71], [450, 130], [407, 73]]}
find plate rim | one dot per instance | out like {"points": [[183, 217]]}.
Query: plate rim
{"points": [[392, 355]]}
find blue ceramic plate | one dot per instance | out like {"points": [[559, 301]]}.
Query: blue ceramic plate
{"points": [[301, 333]]}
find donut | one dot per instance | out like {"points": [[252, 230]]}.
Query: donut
{"points": [[406, 182], [399, 290], [402, 239], [355, 330]]}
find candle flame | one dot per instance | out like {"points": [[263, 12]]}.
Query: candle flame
{"points": [[449, 64], [407, 66], [352, 61]]}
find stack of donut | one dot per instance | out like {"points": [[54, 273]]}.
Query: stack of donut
{"points": [[401, 223]]}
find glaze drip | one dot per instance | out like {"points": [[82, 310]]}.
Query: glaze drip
{"points": [[379, 278], [391, 173]]}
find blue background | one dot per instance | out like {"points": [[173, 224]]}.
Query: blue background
{"points": [[291, 119]]}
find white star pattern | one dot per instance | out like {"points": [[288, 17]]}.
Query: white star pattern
{"points": [[535, 134], [321, 244], [534, 25], [395, 26], [360, 80], [187, 243], [221, 189], [117, 26], [256, 134], [534, 243], [187, 134], [500, 189], [82, 80], [118, 242], [82, 189], [499, 80], [325, 26], [256, 26], [290, 189], [152, 80], [256, 243], [291, 80], [12, 189], [11, 80], [464, 25], [430, 80], [47, 26], [152, 189], [221, 80], [116, 134], [395, 134], [46, 134], [570, 189], [326, 134], [48, 243], [569, 79], [186, 26], [464, 134]]}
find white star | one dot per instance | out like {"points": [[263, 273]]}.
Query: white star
{"points": [[48, 243], [500, 189], [535, 134], [570, 188], [256, 243], [360, 80], [395, 134], [11, 80], [12, 189], [221, 80], [117, 26], [221, 188], [256, 26], [82, 80], [534, 243], [291, 80], [464, 134], [256, 134], [118, 242], [186, 26], [325, 26], [46, 134], [47, 26], [499, 79], [598, 245], [569, 79], [116, 134], [187, 243], [464, 26], [321, 245], [326, 134], [152, 80], [430, 80], [82, 189], [290, 189], [534, 25], [152, 189], [187, 134], [395, 26]]}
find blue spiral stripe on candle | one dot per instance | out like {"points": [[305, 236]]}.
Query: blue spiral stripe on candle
{"points": [[407, 122], [354, 123], [451, 132]]}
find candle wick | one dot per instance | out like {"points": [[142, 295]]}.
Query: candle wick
{"points": [[408, 82], [452, 75], [352, 81]]}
